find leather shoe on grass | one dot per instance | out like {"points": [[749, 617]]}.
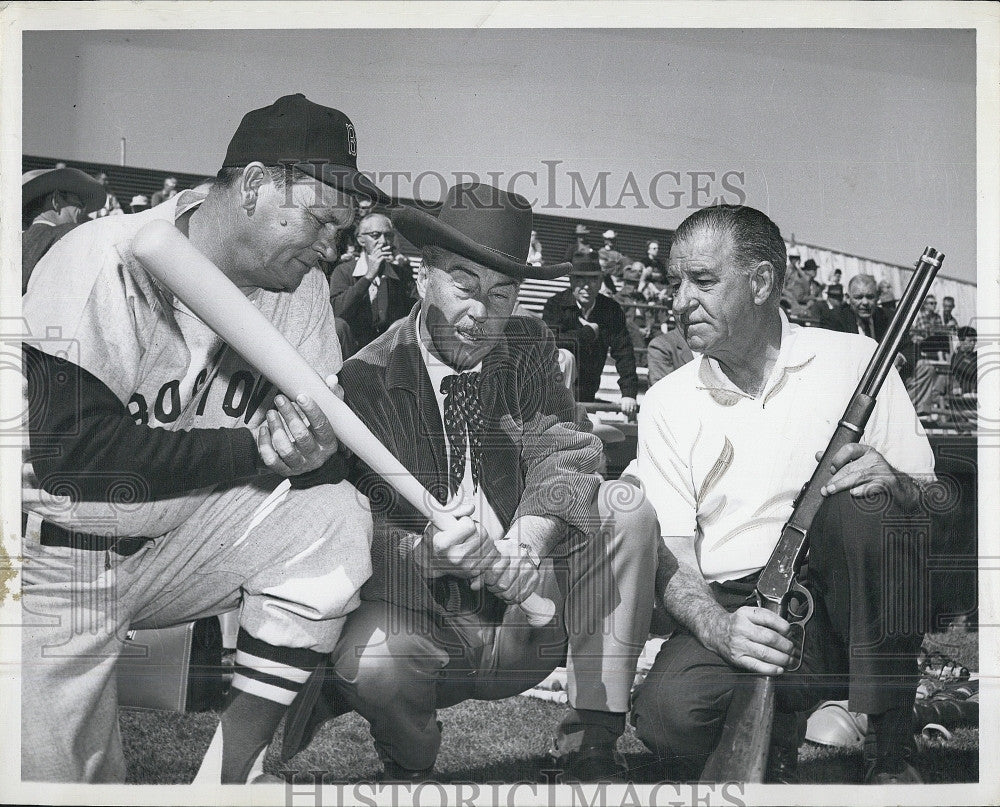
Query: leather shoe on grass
{"points": [[591, 763], [398, 775], [898, 772]]}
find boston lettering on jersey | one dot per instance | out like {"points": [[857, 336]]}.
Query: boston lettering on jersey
{"points": [[244, 394], [243, 397]]}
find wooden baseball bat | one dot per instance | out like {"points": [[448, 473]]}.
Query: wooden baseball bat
{"points": [[200, 284]]}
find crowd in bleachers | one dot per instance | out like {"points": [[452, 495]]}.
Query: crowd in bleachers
{"points": [[937, 360], [372, 286]]}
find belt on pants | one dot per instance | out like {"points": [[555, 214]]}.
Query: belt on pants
{"points": [[54, 535]]}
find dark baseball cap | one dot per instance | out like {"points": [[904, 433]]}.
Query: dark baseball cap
{"points": [[318, 140]]}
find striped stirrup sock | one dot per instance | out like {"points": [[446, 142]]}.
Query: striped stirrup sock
{"points": [[265, 683], [271, 672]]}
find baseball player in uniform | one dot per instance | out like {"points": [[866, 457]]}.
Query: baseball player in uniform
{"points": [[167, 480]]}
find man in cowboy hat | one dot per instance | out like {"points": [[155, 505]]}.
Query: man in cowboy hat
{"points": [[469, 398], [53, 200], [234, 497], [580, 246], [590, 324]]}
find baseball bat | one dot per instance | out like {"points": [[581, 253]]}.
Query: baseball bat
{"points": [[173, 260]]}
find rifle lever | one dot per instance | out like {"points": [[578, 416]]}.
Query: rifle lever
{"points": [[798, 611]]}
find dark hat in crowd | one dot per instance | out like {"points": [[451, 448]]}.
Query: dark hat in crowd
{"points": [[581, 229], [810, 264], [589, 264], [835, 290], [38, 184], [481, 223], [317, 140]]}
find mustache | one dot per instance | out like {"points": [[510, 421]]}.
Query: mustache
{"points": [[475, 331]]}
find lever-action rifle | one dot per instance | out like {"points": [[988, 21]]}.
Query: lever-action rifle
{"points": [[741, 754]]}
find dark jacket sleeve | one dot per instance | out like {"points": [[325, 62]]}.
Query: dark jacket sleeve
{"points": [[83, 438], [563, 320], [659, 360], [623, 352], [345, 295]]}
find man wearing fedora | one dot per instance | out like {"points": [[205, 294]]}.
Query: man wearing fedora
{"points": [[53, 201], [590, 325], [580, 246], [167, 479], [469, 398]]}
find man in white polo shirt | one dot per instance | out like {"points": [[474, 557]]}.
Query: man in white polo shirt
{"points": [[725, 444]]}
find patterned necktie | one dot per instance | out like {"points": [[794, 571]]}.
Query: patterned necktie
{"points": [[463, 414]]}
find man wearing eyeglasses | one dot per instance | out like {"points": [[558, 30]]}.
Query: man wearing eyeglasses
{"points": [[371, 292]]}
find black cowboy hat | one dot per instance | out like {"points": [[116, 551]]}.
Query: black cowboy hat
{"points": [[483, 224], [587, 265], [38, 184]]}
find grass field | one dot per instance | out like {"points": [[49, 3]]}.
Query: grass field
{"points": [[500, 741]]}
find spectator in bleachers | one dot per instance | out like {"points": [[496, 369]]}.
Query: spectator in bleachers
{"points": [[886, 297], [631, 278], [833, 316], [53, 202], [816, 300], [947, 311], [665, 353], [590, 324], [928, 329], [111, 206], [656, 269], [613, 262], [370, 293], [654, 288], [795, 289], [168, 191], [835, 276], [964, 363], [535, 250], [139, 203], [580, 247], [862, 314], [810, 268], [930, 339], [635, 318]]}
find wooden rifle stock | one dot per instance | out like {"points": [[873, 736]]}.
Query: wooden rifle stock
{"points": [[742, 751]]}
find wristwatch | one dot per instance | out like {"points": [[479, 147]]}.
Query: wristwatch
{"points": [[530, 555]]}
